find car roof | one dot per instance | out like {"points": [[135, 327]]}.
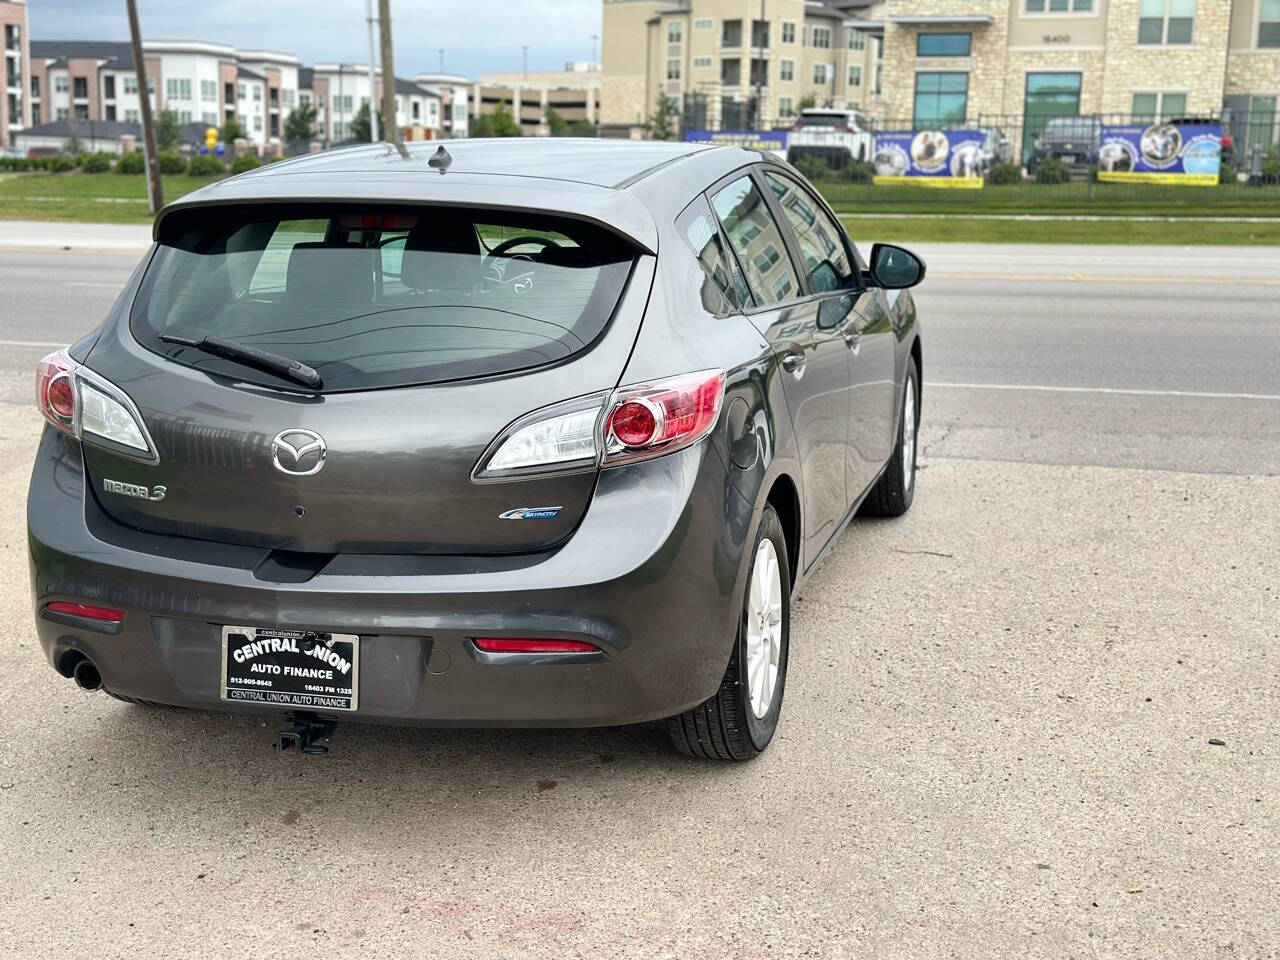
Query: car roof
{"points": [[586, 178]]}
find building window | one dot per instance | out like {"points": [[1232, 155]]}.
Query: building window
{"points": [[288, 98], [855, 39], [760, 34], [788, 31], [821, 38], [35, 115], [60, 83], [759, 72], [785, 107], [257, 92], [131, 116], [943, 44], [731, 72], [257, 123], [673, 69], [60, 113], [1269, 24], [855, 75], [731, 33], [240, 91], [208, 89], [184, 116], [80, 88], [176, 89], [1158, 106], [702, 63], [35, 87], [786, 70], [1166, 21], [130, 82], [1059, 6], [704, 23], [109, 87], [820, 74], [675, 31], [109, 112], [209, 118], [942, 99]]}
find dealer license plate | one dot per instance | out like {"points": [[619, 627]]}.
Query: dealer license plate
{"points": [[290, 668]]}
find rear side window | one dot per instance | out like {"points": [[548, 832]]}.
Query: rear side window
{"points": [[756, 239], [724, 289], [380, 297]]}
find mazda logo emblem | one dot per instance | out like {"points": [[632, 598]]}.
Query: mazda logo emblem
{"points": [[299, 453]]}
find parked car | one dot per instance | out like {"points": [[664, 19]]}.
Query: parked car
{"points": [[996, 147], [519, 433], [1073, 140], [837, 136]]}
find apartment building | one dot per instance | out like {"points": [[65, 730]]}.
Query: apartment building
{"points": [[951, 61], [573, 93], [453, 90], [14, 107], [738, 63], [339, 90]]}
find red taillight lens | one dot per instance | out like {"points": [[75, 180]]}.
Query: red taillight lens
{"points": [[56, 390], [105, 614], [650, 419], [531, 645]]}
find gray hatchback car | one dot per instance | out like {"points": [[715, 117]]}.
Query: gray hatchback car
{"points": [[506, 432]]}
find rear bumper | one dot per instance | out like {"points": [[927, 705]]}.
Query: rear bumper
{"points": [[652, 577]]}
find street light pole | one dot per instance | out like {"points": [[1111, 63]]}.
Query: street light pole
{"points": [[524, 68], [373, 82], [594, 39], [156, 191]]}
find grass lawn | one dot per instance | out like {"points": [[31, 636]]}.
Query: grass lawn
{"points": [[1104, 199], [865, 230], [93, 197]]}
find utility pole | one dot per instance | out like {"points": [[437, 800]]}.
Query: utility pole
{"points": [[373, 80], [392, 131], [155, 192], [524, 54]]}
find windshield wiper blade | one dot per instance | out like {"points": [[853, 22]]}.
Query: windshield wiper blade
{"points": [[251, 356]]}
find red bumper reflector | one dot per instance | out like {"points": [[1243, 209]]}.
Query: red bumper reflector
{"points": [[105, 614], [523, 645]]}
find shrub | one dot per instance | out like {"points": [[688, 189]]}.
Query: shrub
{"points": [[812, 168], [15, 163], [856, 171], [131, 163], [245, 162], [61, 163], [206, 165], [171, 163], [1053, 170], [96, 163], [1227, 173], [1004, 175]]}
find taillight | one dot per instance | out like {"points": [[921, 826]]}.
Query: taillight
{"points": [[532, 645], [87, 611], [635, 422], [88, 407], [652, 419]]}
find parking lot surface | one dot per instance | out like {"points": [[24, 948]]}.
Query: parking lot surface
{"points": [[1038, 716]]}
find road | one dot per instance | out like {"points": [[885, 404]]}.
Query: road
{"points": [[999, 712]]}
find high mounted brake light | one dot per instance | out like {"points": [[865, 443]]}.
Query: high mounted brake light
{"points": [[636, 422], [90, 408]]}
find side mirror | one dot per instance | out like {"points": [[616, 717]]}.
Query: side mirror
{"points": [[895, 268]]}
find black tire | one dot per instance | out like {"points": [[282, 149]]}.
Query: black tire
{"points": [[725, 727], [896, 488]]}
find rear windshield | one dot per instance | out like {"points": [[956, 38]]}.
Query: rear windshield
{"points": [[380, 297], [825, 120]]}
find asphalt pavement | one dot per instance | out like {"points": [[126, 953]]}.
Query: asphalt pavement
{"points": [[1038, 716]]}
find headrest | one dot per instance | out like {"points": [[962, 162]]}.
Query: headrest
{"points": [[441, 253], [322, 272]]}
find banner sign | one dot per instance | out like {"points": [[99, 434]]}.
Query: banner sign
{"points": [[761, 140], [929, 158], [1168, 153]]}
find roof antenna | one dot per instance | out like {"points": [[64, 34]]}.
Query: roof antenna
{"points": [[440, 160]]}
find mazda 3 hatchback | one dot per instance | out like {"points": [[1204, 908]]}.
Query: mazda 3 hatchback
{"points": [[506, 432]]}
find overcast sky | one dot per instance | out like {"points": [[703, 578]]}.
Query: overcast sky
{"points": [[478, 36]]}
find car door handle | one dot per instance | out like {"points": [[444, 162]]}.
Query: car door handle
{"points": [[853, 340], [793, 360]]}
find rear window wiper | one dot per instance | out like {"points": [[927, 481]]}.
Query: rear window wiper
{"points": [[251, 356]]}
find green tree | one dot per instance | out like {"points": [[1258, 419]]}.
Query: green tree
{"points": [[301, 123], [663, 122], [808, 102], [557, 124], [359, 129], [480, 127], [168, 130], [232, 131], [503, 122], [582, 128]]}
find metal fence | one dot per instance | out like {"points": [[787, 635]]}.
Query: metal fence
{"points": [[1058, 155]]}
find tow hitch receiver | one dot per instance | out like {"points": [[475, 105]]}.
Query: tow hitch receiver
{"points": [[305, 734]]}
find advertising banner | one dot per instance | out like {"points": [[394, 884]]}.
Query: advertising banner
{"points": [[762, 140], [1168, 153], [929, 158]]}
